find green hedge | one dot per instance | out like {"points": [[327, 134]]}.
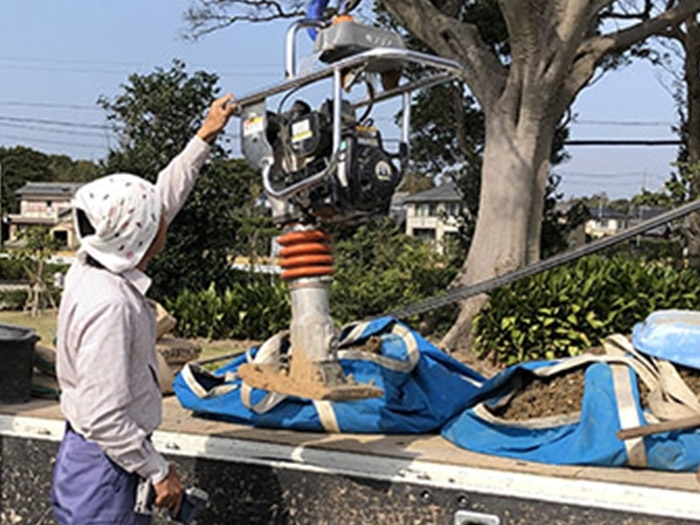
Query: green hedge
{"points": [[572, 308], [12, 269], [14, 300], [255, 306], [377, 269]]}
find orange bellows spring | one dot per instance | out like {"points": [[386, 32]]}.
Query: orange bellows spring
{"points": [[305, 254]]}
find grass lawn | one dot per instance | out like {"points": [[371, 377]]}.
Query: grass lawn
{"points": [[45, 326]]}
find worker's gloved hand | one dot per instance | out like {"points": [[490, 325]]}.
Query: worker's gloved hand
{"points": [[217, 117], [169, 492]]}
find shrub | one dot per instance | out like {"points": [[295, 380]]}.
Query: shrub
{"points": [[263, 305], [380, 269], [570, 309], [253, 306], [13, 300], [12, 269]]}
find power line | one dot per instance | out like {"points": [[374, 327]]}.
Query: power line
{"points": [[24, 60], [57, 142], [607, 183], [49, 130], [624, 142], [123, 72], [59, 69], [378, 119], [596, 178], [50, 105], [602, 176], [127, 63], [594, 174], [54, 122], [607, 142], [635, 123], [8, 121]]}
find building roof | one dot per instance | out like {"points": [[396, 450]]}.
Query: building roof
{"points": [[59, 189], [636, 214], [606, 213], [649, 212], [447, 192]]}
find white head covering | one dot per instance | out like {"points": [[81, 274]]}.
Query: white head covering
{"points": [[125, 211]]}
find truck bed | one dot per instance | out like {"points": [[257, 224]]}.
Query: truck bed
{"points": [[280, 476]]}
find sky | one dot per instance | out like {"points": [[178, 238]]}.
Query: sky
{"points": [[58, 57]]}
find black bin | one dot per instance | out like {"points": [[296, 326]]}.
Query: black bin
{"points": [[16, 363]]}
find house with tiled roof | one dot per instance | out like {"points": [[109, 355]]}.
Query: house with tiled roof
{"points": [[45, 204], [434, 214], [604, 222]]}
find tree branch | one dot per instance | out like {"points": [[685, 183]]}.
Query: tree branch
{"points": [[591, 52], [450, 38], [644, 14], [624, 38], [212, 15]]}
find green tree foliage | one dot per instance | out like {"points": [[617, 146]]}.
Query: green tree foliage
{"points": [[415, 181], [155, 117], [678, 189], [379, 269], [599, 201], [650, 198], [65, 169], [19, 166], [219, 221], [12, 269], [557, 225], [525, 72], [251, 219]]}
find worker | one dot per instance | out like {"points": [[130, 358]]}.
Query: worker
{"points": [[106, 355]]}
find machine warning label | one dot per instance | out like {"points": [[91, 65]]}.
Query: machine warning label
{"points": [[301, 130], [253, 126]]}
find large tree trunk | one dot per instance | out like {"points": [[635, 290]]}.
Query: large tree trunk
{"points": [[507, 231], [691, 44]]}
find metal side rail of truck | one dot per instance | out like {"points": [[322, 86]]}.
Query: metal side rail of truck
{"points": [[259, 476]]}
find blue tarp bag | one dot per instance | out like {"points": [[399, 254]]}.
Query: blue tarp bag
{"points": [[610, 402], [423, 387], [673, 335]]}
